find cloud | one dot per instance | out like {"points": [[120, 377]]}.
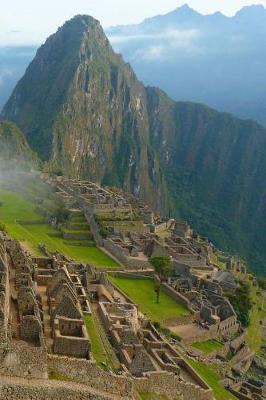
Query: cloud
{"points": [[159, 45], [4, 74], [168, 34]]}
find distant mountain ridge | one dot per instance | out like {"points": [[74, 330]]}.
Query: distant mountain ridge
{"points": [[85, 112], [211, 59]]}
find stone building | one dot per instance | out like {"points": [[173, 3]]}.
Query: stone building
{"points": [[69, 333]]}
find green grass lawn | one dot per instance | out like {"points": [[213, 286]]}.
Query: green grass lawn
{"points": [[101, 348], [98, 350], [142, 292], [208, 346], [212, 379], [16, 208]]}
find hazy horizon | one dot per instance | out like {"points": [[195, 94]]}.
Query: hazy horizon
{"points": [[32, 24]]}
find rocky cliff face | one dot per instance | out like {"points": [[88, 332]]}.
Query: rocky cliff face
{"points": [[82, 108]]}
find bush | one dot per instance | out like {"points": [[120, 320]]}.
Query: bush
{"points": [[157, 325], [2, 227], [176, 337], [242, 303]]}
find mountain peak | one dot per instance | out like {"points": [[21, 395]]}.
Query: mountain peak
{"points": [[80, 23], [186, 10], [256, 10]]}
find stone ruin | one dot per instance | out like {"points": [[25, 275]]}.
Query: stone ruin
{"points": [[42, 330], [140, 347], [213, 313], [23, 348], [69, 333]]}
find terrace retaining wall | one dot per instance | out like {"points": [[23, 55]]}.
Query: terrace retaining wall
{"points": [[165, 383], [87, 372]]}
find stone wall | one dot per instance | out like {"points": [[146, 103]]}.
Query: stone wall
{"points": [[72, 346], [130, 262], [93, 225], [23, 360], [87, 372], [12, 389], [170, 385], [229, 326], [178, 297], [4, 296], [205, 334]]}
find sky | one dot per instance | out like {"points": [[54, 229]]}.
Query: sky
{"points": [[31, 21]]}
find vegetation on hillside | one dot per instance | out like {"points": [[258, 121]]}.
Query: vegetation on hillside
{"points": [[241, 300]]}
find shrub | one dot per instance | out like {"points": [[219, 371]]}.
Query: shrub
{"points": [[242, 303], [2, 227]]}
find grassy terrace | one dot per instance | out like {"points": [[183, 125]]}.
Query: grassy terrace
{"points": [[255, 336], [208, 346], [212, 379], [24, 224], [142, 292], [101, 348]]}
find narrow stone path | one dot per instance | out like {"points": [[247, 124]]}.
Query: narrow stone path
{"points": [[14, 314], [46, 319]]}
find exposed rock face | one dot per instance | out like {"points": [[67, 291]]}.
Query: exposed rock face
{"points": [[83, 108]]}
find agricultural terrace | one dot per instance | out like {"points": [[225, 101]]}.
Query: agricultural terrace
{"points": [[255, 335], [23, 223], [208, 346], [142, 292], [212, 378]]}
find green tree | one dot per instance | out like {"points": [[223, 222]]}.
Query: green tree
{"points": [[242, 302], [163, 267]]}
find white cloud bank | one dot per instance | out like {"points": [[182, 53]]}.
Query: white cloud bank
{"points": [[159, 45]]}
